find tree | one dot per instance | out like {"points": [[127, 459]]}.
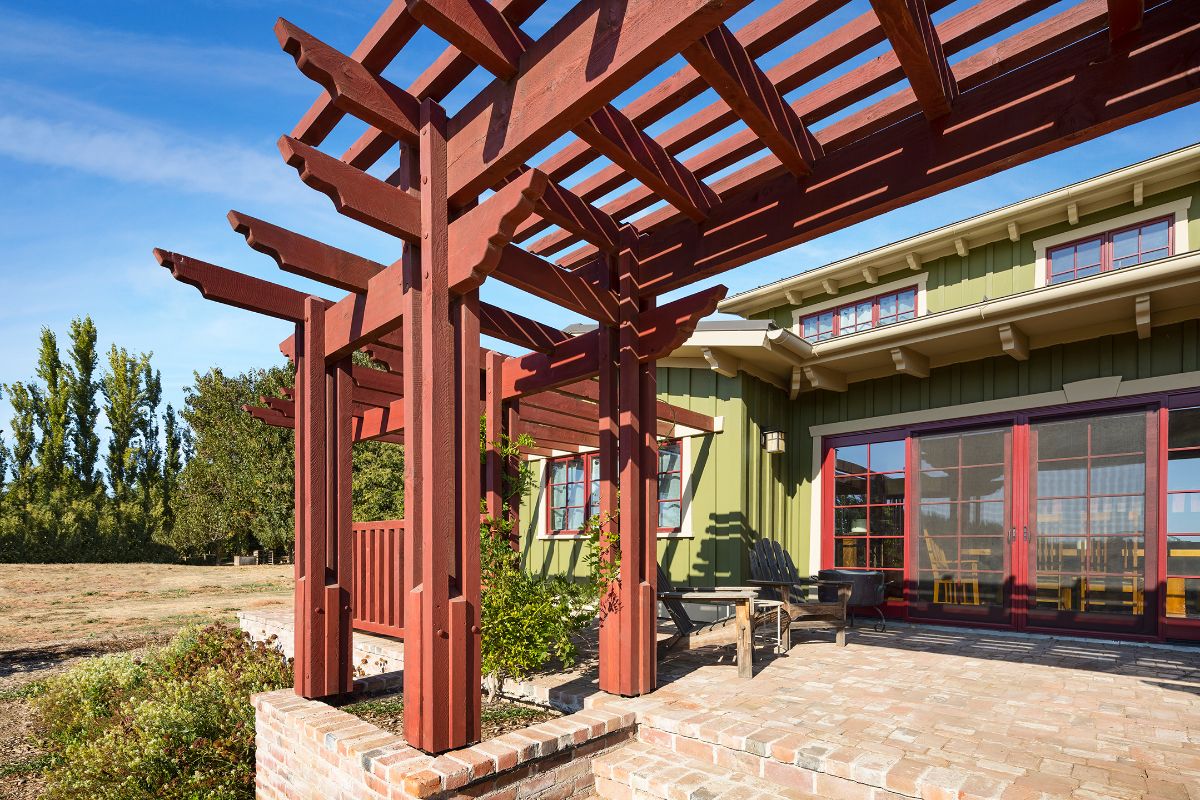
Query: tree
{"points": [[85, 412], [236, 489], [173, 455], [378, 481], [51, 410], [15, 531]]}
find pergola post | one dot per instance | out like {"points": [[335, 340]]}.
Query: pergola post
{"points": [[441, 383], [493, 403], [323, 550], [512, 423], [629, 621]]}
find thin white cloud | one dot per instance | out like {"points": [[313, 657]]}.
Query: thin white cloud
{"points": [[67, 133], [168, 59]]}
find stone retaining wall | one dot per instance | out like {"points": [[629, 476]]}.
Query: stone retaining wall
{"points": [[373, 655], [308, 749]]}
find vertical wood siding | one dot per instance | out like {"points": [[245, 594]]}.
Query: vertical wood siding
{"points": [[995, 269]]}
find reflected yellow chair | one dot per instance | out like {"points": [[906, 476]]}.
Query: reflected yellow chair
{"points": [[955, 589]]}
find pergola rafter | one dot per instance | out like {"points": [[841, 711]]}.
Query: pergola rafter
{"points": [[467, 193]]}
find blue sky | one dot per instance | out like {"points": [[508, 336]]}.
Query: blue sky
{"points": [[130, 125]]}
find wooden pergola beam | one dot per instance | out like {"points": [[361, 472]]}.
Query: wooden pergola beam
{"points": [[233, 288], [916, 44], [559, 84], [758, 36], [446, 72], [614, 135], [394, 28], [478, 29], [731, 71], [471, 251], [1100, 95], [659, 332], [1124, 19], [847, 41], [354, 193], [571, 290], [351, 87]]}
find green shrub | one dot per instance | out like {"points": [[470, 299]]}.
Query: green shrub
{"points": [[176, 724], [527, 620]]}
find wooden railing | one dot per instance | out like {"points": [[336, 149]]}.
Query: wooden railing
{"points": [[378, 599]]}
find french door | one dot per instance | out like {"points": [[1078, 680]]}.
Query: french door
{"points": [[1036, 522]]}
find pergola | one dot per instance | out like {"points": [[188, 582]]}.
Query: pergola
{"points": [[468, 205]]}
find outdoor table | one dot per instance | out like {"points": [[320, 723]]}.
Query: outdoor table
{"points": [[742, 598]]}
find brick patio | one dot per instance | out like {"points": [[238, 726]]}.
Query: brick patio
{"points": [[932, 713], [916, 712]]}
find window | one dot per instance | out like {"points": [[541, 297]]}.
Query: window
{"points": [[670, 487], [1183, 513], [862, 315], [868, 510], [1125, 247], [569, 507]]}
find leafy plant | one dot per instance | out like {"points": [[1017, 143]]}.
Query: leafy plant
{"points": [[527, 620], [176, 724], [603, 556]]}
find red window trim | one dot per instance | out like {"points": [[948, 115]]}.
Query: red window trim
{"points": [[587, 459], [836, 311], [1106, 246], [550, 484], [678, 528]]}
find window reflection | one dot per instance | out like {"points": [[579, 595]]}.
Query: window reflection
{"points": [[1183, 513], [868, 515]]}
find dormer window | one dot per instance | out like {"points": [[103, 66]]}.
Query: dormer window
{"points": [[861, 315], [1123, 247]]}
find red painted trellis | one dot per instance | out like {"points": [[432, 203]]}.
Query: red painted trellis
{"points": [[1089, 69]]}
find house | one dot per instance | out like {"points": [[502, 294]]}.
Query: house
{"points": [[1002, 414]]}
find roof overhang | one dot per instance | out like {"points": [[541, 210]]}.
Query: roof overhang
{"points": [[1133, 299], [1128, 184]]}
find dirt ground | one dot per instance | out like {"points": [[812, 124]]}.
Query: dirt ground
{"points": [[52, 615]]}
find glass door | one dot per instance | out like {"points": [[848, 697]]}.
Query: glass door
{"points": [[959, 553], [1090, 513]]}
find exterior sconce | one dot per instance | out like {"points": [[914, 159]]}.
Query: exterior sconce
{"points": [[772, 442]]}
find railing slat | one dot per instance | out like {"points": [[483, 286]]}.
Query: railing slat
{"points": [[377, 594]]}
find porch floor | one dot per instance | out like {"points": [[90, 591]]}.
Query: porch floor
{"points": [[967, 712], [916, 712]]}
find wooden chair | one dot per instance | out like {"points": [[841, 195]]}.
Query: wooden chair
{"points": [[690, 634], [948, 586], [773, 569]]}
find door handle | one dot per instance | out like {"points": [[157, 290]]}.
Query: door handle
{"points": [[1026, 529], [1012, 534]]}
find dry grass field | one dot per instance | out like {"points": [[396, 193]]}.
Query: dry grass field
{"points": [[52, 615], [47, 604]]}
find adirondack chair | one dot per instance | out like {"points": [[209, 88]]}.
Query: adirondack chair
{"points": [[690, 634], [774, 570]]}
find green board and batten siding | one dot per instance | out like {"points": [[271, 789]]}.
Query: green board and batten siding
{"points": [[737, 492], [993, 269], [741, 493]]}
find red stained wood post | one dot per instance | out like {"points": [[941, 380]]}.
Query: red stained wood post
{"points": [[493, 475], [512, 424], [441, 384], [324, 565], [629, 623]]}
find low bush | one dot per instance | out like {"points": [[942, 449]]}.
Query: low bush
{"points": [[175, 724], [527, 620]]}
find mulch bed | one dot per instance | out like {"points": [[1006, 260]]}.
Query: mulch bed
{"points": [[496, 718]]}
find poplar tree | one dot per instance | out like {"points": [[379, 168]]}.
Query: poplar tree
{"points": [[85, 413], [20, 494], [173, 455], [124, 400]]}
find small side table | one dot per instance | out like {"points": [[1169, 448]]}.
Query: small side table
{"points": [[783, 633]]}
